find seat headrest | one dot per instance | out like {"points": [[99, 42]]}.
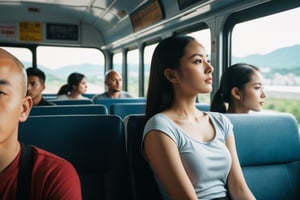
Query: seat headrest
{"points": [[266, 138]]}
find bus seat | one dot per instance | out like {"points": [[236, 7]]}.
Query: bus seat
{"points": [[94, 144], [49, 96], [107, 102], [203, 106], [88, 95], [143, 183], [71, 102], [268, 147], [69, 109], [124, 109]]}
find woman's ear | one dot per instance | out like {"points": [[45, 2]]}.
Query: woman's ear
{"points": [[170, 75], [235, 93], [25, 108], [74, 87]]}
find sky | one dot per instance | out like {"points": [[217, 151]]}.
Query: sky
{"points": [[267, 34], [75, 55]]}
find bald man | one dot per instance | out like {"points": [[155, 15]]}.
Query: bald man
{"points": [[113, 83], [52, 177]]}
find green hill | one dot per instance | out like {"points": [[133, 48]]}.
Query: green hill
{"points": [[284, 58]]}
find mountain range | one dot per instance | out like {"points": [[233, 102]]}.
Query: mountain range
{"points": [[284, 60]]}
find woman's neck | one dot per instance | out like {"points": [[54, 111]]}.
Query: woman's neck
{"points": [[184, 109], [75, 95], [237, 109]]}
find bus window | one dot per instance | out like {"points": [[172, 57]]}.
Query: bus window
{"points": [[117, 62], [133, 72], [203, 36], [274, 48], [59, 62], [148, 51], [23, 54]]}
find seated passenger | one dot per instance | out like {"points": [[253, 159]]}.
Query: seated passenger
{"points": [[113, 83], [191, 152], [51, 177], [241, 90], [74, 89], [36, 85]]}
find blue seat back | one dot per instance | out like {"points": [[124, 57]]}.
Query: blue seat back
{"points": [[107, 102], [203, 106], [124, 109], [69, 109], [49, 96], [142, 179], [89, 95], [268, 147], [71, 102], [94, 144]]}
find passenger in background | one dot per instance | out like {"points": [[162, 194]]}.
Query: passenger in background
{"points": [[74, 89], [241, 90], [113, 83], [36, 85], [50, 176], [192, 153]]}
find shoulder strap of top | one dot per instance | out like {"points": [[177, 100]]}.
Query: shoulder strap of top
{"points": [[25, 172]]}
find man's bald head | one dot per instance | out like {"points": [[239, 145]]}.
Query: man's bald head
{"points": [[6, 55]]}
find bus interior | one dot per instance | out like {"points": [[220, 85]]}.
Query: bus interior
{"points": [[94, 36]]}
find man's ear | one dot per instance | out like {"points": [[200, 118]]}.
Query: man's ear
{"points": [[43, 87], [25, 108], [170, 75], [235, 93]]}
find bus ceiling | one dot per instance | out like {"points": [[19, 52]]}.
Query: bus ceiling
{"points": [[117, 21]]}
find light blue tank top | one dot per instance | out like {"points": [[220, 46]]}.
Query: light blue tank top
{"points": [[206, 163]]}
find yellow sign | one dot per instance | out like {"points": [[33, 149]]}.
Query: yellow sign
{"points": [[30, 31]]}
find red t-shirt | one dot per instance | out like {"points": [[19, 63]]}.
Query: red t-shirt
{"points": [[52, 178]]}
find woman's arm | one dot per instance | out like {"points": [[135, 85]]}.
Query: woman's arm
{"points": [[163, 155], [237, 186]]}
